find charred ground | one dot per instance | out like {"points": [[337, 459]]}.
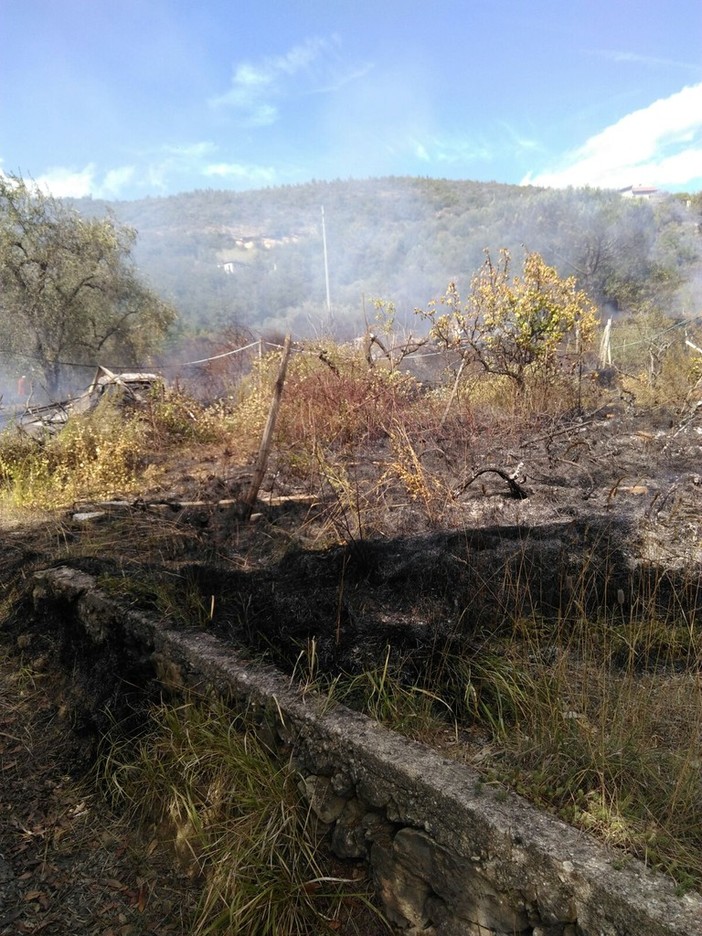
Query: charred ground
{"points": [[611, 519], [316, 582]]}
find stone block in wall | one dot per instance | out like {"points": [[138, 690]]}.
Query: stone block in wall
{"points": [[460, 894], [403, 894], [343, 783], [349, 838], [324, 802], [375, 794]]}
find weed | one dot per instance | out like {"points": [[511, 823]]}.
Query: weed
{"points": [[97, 455], [176, 418], [418, 483], [346, 403], [200, 780], [602, 719], [174, 598]]}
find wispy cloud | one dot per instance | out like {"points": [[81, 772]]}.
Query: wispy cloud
{"points": [[311, 67], [450, 149], [458, 150], [660, 144], [520, 143], [198, 160], [256, 87], [623, 56], [188, 152], [340, 78], [173, 161]]}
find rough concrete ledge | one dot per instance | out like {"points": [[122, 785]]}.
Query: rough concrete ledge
{"points": [[449, 855]]}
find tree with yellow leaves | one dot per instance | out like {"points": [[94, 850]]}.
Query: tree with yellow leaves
{"points": [[514, 326]]}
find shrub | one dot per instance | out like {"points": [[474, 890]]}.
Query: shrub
{"points": [[515, 326], [335, 398], [98, 455]]}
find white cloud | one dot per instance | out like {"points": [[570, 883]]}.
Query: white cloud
{"points": [[158, 170], [660, 144], [64, 182], [263, 175], [116, 181], [68, 183], [299, 57]]}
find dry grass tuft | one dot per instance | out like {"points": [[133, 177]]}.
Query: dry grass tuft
{"points": [[205, 785]]}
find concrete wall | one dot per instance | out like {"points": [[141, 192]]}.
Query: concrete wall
{"points": [[449, 855]]}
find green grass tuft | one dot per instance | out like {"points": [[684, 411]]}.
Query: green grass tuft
{"points": [[205, 784]]}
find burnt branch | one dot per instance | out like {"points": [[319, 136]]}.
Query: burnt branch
{"points": [[516, 490]]}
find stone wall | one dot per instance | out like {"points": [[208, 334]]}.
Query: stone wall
{"points": [[449, 854]]}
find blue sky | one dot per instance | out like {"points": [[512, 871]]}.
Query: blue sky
{"points": [[128, 98]]}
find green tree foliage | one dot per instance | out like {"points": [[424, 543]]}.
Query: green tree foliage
{"points": [[69, 290], [625, 252], [510, 325]]}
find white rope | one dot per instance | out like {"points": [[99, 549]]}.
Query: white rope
{"points": [[216, 357]]}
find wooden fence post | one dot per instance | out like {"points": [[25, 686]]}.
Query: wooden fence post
{"points": [[267, 438], [606, 346]]}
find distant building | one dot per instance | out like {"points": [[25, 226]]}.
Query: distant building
{"points": [[639, 191]]}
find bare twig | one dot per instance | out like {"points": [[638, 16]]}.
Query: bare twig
{"points": [[516, 490]]}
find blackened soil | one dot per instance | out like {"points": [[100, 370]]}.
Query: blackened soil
{"points": [[612, 520]]}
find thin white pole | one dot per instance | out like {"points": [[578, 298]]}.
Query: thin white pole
{"points": [[326, 263]]}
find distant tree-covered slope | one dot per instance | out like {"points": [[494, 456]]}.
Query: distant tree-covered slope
{"points": [[256, 259]]}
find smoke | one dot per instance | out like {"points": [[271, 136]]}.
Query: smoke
{"points": [[402, 240]]}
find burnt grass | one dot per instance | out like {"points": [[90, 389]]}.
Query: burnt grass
{"points": [[424, 596], [610, 526]]}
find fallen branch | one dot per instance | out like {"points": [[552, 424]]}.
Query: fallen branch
{"points": [[516, 490]]}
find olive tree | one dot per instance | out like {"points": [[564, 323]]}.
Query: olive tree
{"points": [[69, 291], [513, 326]]}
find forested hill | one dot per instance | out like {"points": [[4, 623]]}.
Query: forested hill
{"points": [[256, 259]]}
